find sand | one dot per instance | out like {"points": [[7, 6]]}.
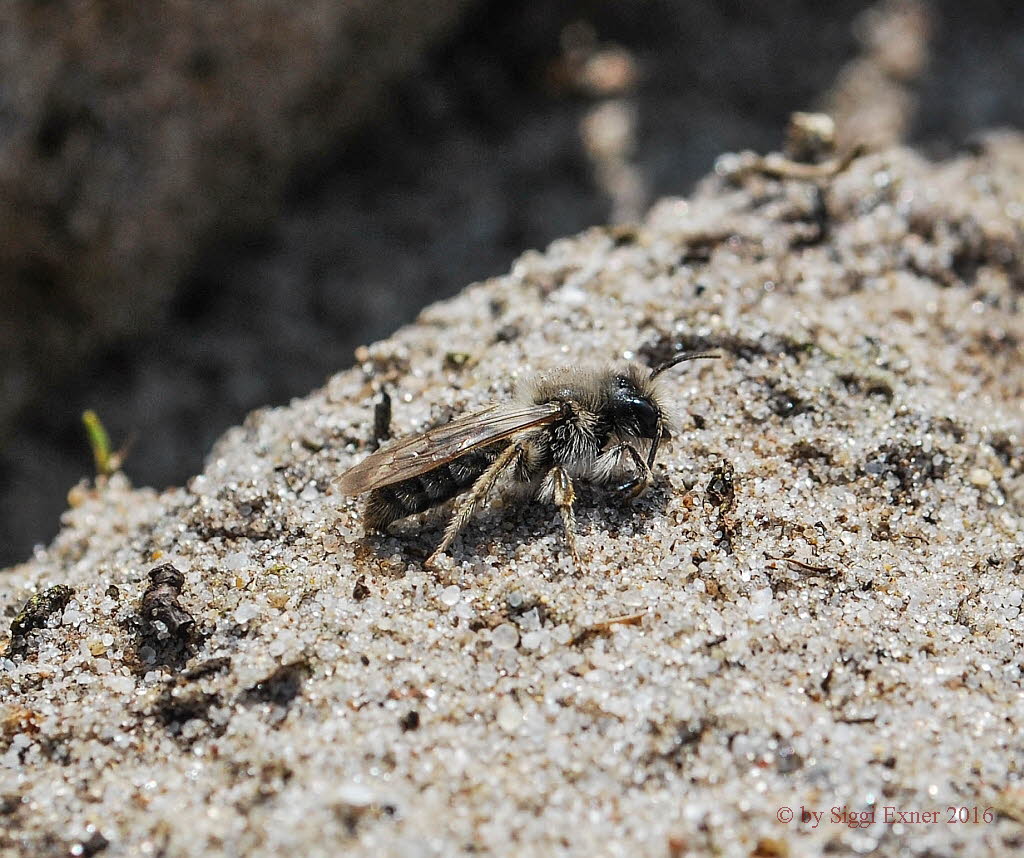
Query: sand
{"points": [[818, 601]]}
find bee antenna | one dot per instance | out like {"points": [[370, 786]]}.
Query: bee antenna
{"points": [[678, 359]]}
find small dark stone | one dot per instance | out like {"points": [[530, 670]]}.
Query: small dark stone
{"points": [[690, 734], [164, 625], [93, 846], [173, 710], [721, 490], [281, 687], [206, 668], [40, 608], [409, 721], [785, 403], [160, 601], [507, 333], [166, 575], [360, 591]]}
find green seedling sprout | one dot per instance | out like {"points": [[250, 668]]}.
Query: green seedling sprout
{"points": [[107, 461]]}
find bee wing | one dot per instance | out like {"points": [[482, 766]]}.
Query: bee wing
{"points": [[424, 452]]}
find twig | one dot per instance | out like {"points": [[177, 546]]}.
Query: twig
{"points": [[604, 626]]}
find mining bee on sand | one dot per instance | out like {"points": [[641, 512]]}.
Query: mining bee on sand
{"points": [[588, 425]]}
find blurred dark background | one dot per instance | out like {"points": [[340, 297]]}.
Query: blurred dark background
{"points": [[207, 209]]}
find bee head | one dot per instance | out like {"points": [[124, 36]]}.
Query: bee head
{"points": [[635, 409]]}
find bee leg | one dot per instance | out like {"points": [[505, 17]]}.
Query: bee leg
{"points": [[563, 494], [467, 504], [641, 479]]}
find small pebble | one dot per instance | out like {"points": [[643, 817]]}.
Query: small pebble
{"points": [[510, 716], [981, 478], [505, 636]]}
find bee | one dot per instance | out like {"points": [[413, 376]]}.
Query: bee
{"points": [[571, 424]]}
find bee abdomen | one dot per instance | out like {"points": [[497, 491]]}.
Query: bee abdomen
{"points": [[429, 489]]}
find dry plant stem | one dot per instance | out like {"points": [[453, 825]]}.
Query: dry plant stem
{"points": [[781, 167]]}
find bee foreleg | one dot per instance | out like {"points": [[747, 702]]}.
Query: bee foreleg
{"points": [[610, 463], [564, 495], [467, 504]]}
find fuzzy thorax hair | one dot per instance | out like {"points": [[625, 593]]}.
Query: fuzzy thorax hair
{"points": [[593, 387]]}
